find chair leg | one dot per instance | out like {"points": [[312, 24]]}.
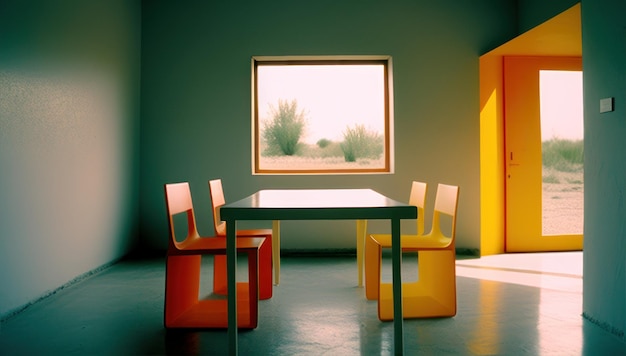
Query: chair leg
{"points": [[434, 293], [361, 236], [265, 269], [184, 309], [373, 256], [437, 271], [276, 250], [182, 285]]}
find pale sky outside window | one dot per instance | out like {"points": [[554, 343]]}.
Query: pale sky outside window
{"points": [[332, 96], [561, 101]]}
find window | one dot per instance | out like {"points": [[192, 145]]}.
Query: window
{"points": [[322, 115]]}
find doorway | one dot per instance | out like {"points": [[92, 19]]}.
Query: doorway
{"points": [[543, 180], [562, 151]]}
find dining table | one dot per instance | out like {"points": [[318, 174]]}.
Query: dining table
{"points": [[316, 204]]}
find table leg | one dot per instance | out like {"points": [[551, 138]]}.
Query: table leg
{"points": [[396, 253], [361, 231], [276, 250], [231, 268]]}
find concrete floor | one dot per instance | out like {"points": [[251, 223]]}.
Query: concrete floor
{"points": [[522, 304]]}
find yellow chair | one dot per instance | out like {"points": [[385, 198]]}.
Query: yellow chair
{"points": [[183, 308], [434, 292], [265, 254], [372, 254]]}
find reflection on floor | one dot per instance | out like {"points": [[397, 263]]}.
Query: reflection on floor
{"points": [[523, 304]]}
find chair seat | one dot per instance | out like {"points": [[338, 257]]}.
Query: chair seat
{"points": [[220, 230], [410, 242], [216, 244], [254, 232]]}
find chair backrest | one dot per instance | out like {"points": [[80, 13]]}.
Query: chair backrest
{"points": [[178, 200], [217, 200], [418, 199], [446, 203]]}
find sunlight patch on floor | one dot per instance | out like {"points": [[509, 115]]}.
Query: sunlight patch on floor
{"points": [[556, 270]]}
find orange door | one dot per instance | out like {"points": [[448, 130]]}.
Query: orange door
{"points": [[523, 154]]}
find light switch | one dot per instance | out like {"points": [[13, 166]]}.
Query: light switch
{"points": [[606, 105]]}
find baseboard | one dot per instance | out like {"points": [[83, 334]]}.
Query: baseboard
{"points": [[463, 251], [606, 327], [13, 312], [331, 252], [352, 252]]}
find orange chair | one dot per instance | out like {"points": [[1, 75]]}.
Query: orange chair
{"points": [[434, 293], [265, 254], [183, 308], [373, 261]]}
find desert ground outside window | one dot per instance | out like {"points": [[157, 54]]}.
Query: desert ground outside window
{"points": [[322, 115]]}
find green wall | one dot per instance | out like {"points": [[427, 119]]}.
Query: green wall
{"points": [[531, 13], [69, 133], [196, 99], [604, 76]]}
